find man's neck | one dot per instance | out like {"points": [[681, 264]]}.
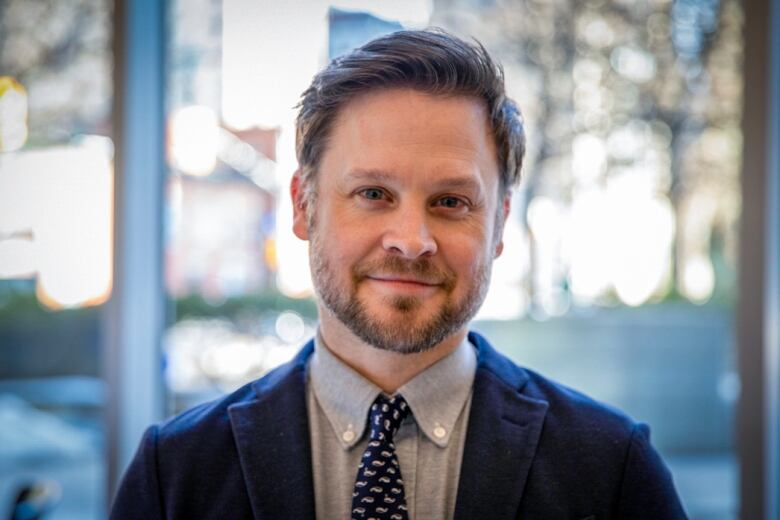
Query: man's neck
{"points": [[388, 370]]}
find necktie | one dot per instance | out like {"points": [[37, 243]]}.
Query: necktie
{"points": [[379, 489]]}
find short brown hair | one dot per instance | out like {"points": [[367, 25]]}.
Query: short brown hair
{"points": [[431, 61]]}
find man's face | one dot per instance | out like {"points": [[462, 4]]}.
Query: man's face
{"points": [[406, 218]]}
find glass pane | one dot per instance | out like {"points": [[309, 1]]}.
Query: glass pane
{"points": [[628, 214], [618, 273], [55, 254]]}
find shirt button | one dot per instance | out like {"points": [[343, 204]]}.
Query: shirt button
{"points": [[439, 432], [348, 436]]}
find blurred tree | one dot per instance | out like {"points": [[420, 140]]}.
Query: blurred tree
{"points": [[644, 91], [61, 53]]}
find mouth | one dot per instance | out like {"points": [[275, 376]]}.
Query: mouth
{"points": [[403, 280], [399, 285]]}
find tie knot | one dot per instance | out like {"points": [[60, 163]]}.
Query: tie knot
{"points": [[386, 415]]}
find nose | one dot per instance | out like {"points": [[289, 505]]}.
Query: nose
{"points": [[408, 234]]}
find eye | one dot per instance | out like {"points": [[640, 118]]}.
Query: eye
{"points": [[373, 194], [451, 202]]}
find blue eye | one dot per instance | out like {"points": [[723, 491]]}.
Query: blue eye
{"points": [[450, 202], [373, 193]]}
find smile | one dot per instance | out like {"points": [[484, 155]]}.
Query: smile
{"points": [[402, 284], [402, 280]]}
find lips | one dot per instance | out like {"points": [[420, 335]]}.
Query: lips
{"points": [[403, 280], [392, 271]]}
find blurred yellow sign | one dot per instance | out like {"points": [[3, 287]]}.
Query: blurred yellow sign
{"points": [[13, 114]]}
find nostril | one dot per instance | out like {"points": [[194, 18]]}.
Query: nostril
{"points": [[410, 246]]}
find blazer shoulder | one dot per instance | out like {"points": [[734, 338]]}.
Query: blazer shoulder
{"points": [[203, 417], [582, 436], [577, 410], [209, 420], [570, 409]]}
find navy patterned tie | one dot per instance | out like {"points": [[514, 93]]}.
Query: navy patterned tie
{"points": [[379, 489]]}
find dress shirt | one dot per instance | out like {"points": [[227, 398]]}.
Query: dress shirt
{"points": [[429, 442]]}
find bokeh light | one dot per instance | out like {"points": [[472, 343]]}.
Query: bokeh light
{"points": [[194, 140], [13, 114]]}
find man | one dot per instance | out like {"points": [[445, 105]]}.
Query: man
{"points": [[408, 148]]}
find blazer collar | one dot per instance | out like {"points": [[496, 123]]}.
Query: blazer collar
{"points": [[502, 438], [272, 436]]}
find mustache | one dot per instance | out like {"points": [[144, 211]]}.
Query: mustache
{"points": [[421, 268]]}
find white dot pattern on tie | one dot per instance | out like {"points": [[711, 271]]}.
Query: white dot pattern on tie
{"points": [[379, 488]]}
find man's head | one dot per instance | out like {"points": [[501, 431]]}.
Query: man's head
{"points": [[407, 148], [429, 61]]}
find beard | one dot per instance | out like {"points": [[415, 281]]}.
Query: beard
{"points": [[398, 329]]}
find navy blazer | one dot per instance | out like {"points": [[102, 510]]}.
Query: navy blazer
{"points": [[533, 450]]}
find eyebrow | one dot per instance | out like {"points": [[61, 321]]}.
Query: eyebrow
{"points": [[371, 175], [459, 182], [447, 182]]}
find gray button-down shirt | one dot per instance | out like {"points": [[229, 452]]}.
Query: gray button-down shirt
{"points": [[429, 443]]}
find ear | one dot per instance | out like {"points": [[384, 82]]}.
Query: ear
{"points": [[300, 220], [507, 203]]}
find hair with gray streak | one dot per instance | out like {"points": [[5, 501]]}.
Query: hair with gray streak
{"points": [[430, 61]]}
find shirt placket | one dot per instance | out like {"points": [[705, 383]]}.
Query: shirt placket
{"points": [[407, 446]]}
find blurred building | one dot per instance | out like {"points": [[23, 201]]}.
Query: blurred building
{"points": [[220, 235], [221, 242], [348, 30]]}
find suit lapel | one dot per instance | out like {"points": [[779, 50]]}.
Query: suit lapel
{"points": [[503, 433], [272, 436]]}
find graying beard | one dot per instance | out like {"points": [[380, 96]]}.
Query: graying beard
{"points": [[353, 315]]}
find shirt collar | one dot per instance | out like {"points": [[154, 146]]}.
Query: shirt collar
{"points": [[436, 396]]}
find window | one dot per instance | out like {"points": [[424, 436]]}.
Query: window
{"points": [[56, 193], [618, 275]]}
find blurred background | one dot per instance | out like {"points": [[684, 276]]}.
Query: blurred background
{"points": [[143, 273]]}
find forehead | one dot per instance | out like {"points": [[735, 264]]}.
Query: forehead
{"points": [[404, 129]]}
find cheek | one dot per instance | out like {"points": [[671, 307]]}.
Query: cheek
{"points": [[466, 257], [346, 245], [470, 239]]}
